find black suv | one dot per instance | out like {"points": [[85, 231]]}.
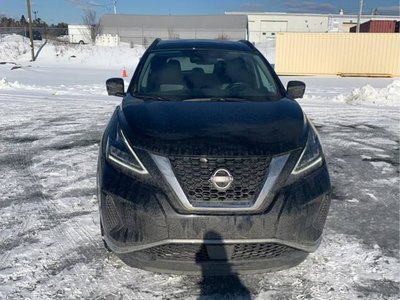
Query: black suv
{"points": [[209, 165]]}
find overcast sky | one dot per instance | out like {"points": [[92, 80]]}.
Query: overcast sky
{"points": [[71, 11]]}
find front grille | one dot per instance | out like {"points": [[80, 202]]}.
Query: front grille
{"points": [[200, 252], [194, 173]]}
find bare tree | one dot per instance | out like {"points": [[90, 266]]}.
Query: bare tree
{"points": [[172, 35], [145, 42], [89, 19], [223, 36]]}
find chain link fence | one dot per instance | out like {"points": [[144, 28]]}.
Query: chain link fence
{"points": [[145, 36], [38, 32], [134, 36]]}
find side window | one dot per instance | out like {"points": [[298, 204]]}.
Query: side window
{"points": [[143, 80], [145, 74], [266, 82], [252, 72]]}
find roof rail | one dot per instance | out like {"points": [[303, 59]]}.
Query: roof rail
{"points": [[248, 43], [154, 43]]}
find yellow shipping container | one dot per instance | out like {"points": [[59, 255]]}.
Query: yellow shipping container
{"points": [[347, 54]]}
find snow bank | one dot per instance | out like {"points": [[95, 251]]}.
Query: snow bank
{"points": [[91, 56], [367, 94], [15, 48], [6, 85], [60, 90]]}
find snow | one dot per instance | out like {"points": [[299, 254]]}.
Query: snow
{"points": [[91, 56], [53, 113], [15, 47], [389, 95], [4, 84]]}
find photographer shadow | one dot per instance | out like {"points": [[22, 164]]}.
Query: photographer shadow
{"points": [[217, 279]]}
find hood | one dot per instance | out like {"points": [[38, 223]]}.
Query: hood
{"points": [[214, 128]]}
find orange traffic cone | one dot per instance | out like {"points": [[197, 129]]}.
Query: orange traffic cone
{"points": [[124, 72]]}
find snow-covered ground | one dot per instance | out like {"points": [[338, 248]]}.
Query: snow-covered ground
{"points": [[52, 115]]}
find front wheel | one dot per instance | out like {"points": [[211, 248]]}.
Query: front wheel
{"points": [[102, 237]]}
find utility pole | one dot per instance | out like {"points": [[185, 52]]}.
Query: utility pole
{"points": [[28, 3], [360, 6], [115, 7]]}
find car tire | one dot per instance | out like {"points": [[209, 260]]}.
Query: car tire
{"points": [[102, 237]]}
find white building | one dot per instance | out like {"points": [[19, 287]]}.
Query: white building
{"points": [[142, 29], [264, 26]]}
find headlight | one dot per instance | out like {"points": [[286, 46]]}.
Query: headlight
{"points": [[120, 152], [311, 157]]}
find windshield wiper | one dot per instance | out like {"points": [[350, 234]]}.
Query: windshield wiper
{"points": [[217, 99], [152, 97]]}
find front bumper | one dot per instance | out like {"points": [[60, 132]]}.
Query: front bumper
{"points": [[215, 263], [143, 226]]}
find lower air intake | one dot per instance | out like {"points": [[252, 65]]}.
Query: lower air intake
{"points": [[199, 252]]}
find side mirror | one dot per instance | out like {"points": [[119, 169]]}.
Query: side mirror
{"points": [[296, 89], [115, 87]]}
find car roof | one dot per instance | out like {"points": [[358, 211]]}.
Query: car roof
{"points": [[201, 44]]}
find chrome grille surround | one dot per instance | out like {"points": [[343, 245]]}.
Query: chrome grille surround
{"points": [[199, 179], [274, 170]]}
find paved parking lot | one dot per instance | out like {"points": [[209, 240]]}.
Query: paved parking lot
{"points": [[50, 245]]}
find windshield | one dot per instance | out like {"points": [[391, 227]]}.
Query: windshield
{"points": [[201, 74]]}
